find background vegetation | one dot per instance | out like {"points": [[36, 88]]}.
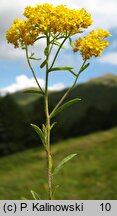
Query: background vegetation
{"points": [[92, 174]]}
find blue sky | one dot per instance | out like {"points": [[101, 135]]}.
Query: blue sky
{"points": [[14, 71]]}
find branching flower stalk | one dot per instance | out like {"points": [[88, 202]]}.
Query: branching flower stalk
{"points": [[55, 24]]}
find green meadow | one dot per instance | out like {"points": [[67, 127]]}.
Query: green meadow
{"points": [[92, 174]]}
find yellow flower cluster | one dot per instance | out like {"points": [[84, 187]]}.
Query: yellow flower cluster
{"points": [[93, 44], [21, 32], [43, 18]]}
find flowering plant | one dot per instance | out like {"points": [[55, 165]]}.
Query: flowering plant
{"points": [[56, 25]]}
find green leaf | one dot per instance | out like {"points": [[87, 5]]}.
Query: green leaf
{"points": [[32, 54], [23, 198], [44, 128], [46, 51], [60, 68], [71, 71], [35, 195], [45, 134], [23, 47], [64, 161], [70, 42], [67, 104], [54, 190], [84, 67], [35, 58], [58, 44], [33, 91], [43, 64], [40, 133], [52, 125]]}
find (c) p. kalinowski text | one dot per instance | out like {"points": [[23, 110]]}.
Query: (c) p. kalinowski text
{"points": [[58, 207]]}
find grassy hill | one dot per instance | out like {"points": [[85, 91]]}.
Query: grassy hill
{"points": [[91, 175]]}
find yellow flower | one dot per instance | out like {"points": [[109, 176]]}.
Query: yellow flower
{"points": [[41, 19], [93, 44]]}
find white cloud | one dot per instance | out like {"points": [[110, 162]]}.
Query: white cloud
{"points": [[23, 82], [8, 52], [57, 87], [104, 13], [110, 58]]}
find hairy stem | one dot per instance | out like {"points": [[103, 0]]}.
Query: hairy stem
{"points": [[48, 125]]}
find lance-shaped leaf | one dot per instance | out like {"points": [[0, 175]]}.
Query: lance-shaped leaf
{"points": [[40, 133], [35, 58], [23, 198], [33, 91], [54, 190], [71, 71], [70, 42], [84, 67], [43, 64], [67, 104], [64, 161], [35, 195], [58, 44], [52, 125], [23, 47], [60, 68], [32, 54], [46, 51]]}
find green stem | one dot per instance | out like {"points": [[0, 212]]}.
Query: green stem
{"points": [[67, 92], [39, 38], [48, 125], [27, 57], [58, 52]]}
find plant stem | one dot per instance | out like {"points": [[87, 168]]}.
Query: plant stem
{"points": [[27, 57], [58, 52], [48, 125]]}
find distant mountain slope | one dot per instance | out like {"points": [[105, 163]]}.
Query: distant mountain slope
{"points": [[108, 79]]}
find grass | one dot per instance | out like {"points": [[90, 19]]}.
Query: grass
{"points": [[91, 175]]}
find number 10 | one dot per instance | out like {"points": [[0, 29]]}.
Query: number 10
{"points": [[105, 207]]}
